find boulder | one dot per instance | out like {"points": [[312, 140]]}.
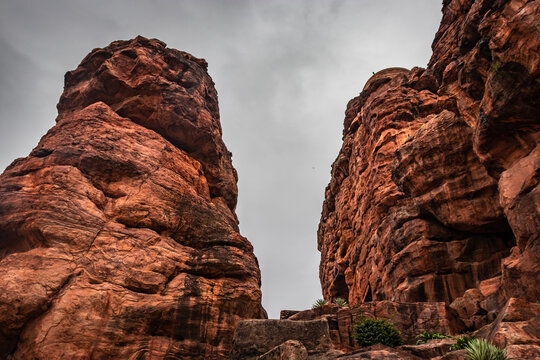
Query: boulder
{"points": [[517, 328], [431, 349], [380, 352], [254, 338], [289, 350]]}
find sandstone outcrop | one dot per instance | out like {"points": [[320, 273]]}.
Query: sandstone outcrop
{"points": [[255, 338], [517, 328], [435, 194], [289, 350], [431, 349], [380, 352], [410, 319], [118, 236]]}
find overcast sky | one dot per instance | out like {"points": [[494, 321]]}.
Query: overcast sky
{"points": [[284, 71]]}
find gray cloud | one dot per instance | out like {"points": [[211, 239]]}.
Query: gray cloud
{"points": [[284, 71]]}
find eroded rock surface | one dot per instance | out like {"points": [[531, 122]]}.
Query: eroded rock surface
{"points": [[380, 352], [410, 319], [431, 349], [418, 209], [435, 194], [517, 328], [118, 236], [254, 338], [289, 350]]}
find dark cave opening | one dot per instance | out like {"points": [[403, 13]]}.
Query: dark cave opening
{"points": [[369, 295]]}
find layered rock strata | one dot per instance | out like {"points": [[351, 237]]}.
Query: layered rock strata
{"points": [[435, 193], [435, 187], [266, 339], [289, 350], [380, 352], [118, 236], [410, 319]]}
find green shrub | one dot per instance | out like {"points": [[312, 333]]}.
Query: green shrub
{"points": [[462, 342], [376, 331], [480, 349], [341, 302], [319, 303], [428, 335]]}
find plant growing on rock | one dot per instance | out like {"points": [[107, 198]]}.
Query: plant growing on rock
{"points": [[341, 302], [462, 342], [376, 331], [319, 302], [428, 335], [480, 349]]}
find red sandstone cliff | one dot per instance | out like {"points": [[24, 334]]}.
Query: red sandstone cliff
{"points": [[435, 194], [118, 236]]}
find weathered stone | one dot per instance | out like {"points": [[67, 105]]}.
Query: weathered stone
{"points": [[390, 232], [517, 327], [437, 168], [329, 355], [318, 312], [289, 350], [479, 306], [164, 90], [285, 314], [118, 237], [410, 319], [380, 352], [523, 352], [485, 55], [435, 194], [256, 337], [452, 355], [431, 349], [519, 189]]}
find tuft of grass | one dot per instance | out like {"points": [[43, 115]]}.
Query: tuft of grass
{"points": [[462, 342], [341, 302], [376, 331], [428, 335], [318, 303], [480, 349]]}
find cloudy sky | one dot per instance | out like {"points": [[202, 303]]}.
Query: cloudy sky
{"points": [[284, 71]]}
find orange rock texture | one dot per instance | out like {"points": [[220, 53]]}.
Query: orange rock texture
{"points": [[435, 193], [118, 236]]}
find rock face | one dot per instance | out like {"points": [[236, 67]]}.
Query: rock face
{"points": [[517, 328], [424, 203], [118, 236], [254, 338], [435, 193], [410, 319], [431, 349], [289, 350], [380, 352]]}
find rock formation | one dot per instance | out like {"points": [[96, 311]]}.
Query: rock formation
{"points": [[118, 236], [410, 319], [435, 194], [265, 339]]}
